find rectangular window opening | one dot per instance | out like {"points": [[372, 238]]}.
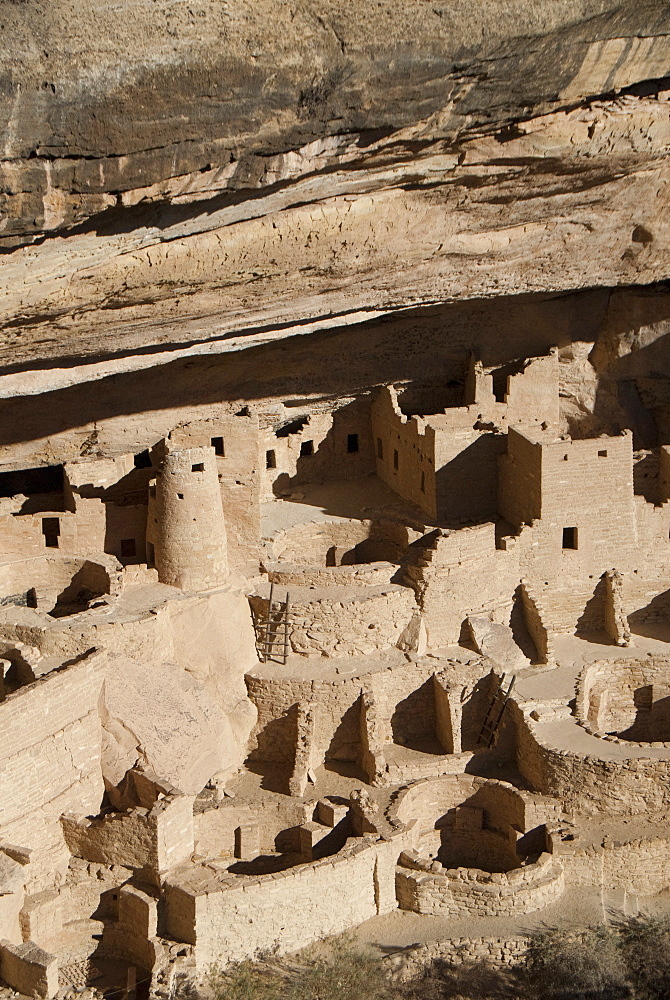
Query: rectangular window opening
{"points": [[128, 547], [152, 491], [602, 454], [380, 448], [151, 556], [306, 449], [569, 538], [395, 459], [217, 445], [352, 442], [51, 531], [198, 467], [270, 459], [142, 460], [423, 482]]}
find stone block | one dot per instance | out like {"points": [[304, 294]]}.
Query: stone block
{"points": [[28, 969], [330, 813]]}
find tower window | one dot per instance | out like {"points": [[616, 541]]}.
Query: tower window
{"points": [[306, 449], [602, 454], [198, 467], [395, 459], [352, 442], [423, 482], [569, 538], [380, 448], [152, 491], [142, 460], [217, 445], [151, 555], [270, 459], [128, 547], [51, 531]]}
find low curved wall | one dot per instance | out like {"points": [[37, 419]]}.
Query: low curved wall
{"points": [[425, 887], [629, 697], [620, 782], [428, 799]]}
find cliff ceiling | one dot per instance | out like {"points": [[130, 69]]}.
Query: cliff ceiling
{"points": [[189, 176]]}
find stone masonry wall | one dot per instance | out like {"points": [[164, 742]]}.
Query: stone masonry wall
{"points": [[50, 752], [239, 917], [466, 892], [586, 783]]}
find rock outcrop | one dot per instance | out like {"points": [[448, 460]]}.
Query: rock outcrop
{"points": [[205, 176]]}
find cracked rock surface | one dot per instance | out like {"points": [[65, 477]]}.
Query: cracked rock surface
{"points": [[176, 174]]}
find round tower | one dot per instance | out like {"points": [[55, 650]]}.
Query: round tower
{"points": [[189, 530]]}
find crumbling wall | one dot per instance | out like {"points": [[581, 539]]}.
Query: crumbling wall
{"points": [[151, 841], [463, 573]]}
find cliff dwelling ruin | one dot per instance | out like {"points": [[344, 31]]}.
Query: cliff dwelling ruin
{"points": [[334, 478]]}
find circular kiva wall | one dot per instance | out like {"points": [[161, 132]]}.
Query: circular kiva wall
{"points": [[627, 699], [471, 855]]}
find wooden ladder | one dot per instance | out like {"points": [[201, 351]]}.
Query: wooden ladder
{"points": [[495, 711], [273, 630]]}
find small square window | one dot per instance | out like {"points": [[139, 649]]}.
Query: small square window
{"points": [[217, 445], [198, 467], [352, 442], [270, 459], [180, 496], [306, 449], [380, 448], [602, 454], [128, 547], [565, 458], [569, 538], [395, 459]]}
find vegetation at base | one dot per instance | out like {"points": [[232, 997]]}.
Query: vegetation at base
{"points": [[629, 961]]}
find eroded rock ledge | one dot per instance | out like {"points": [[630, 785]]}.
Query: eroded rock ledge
{"points": [[198, 171]]}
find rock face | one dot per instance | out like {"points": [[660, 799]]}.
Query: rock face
{"points": [[192, 172]]}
